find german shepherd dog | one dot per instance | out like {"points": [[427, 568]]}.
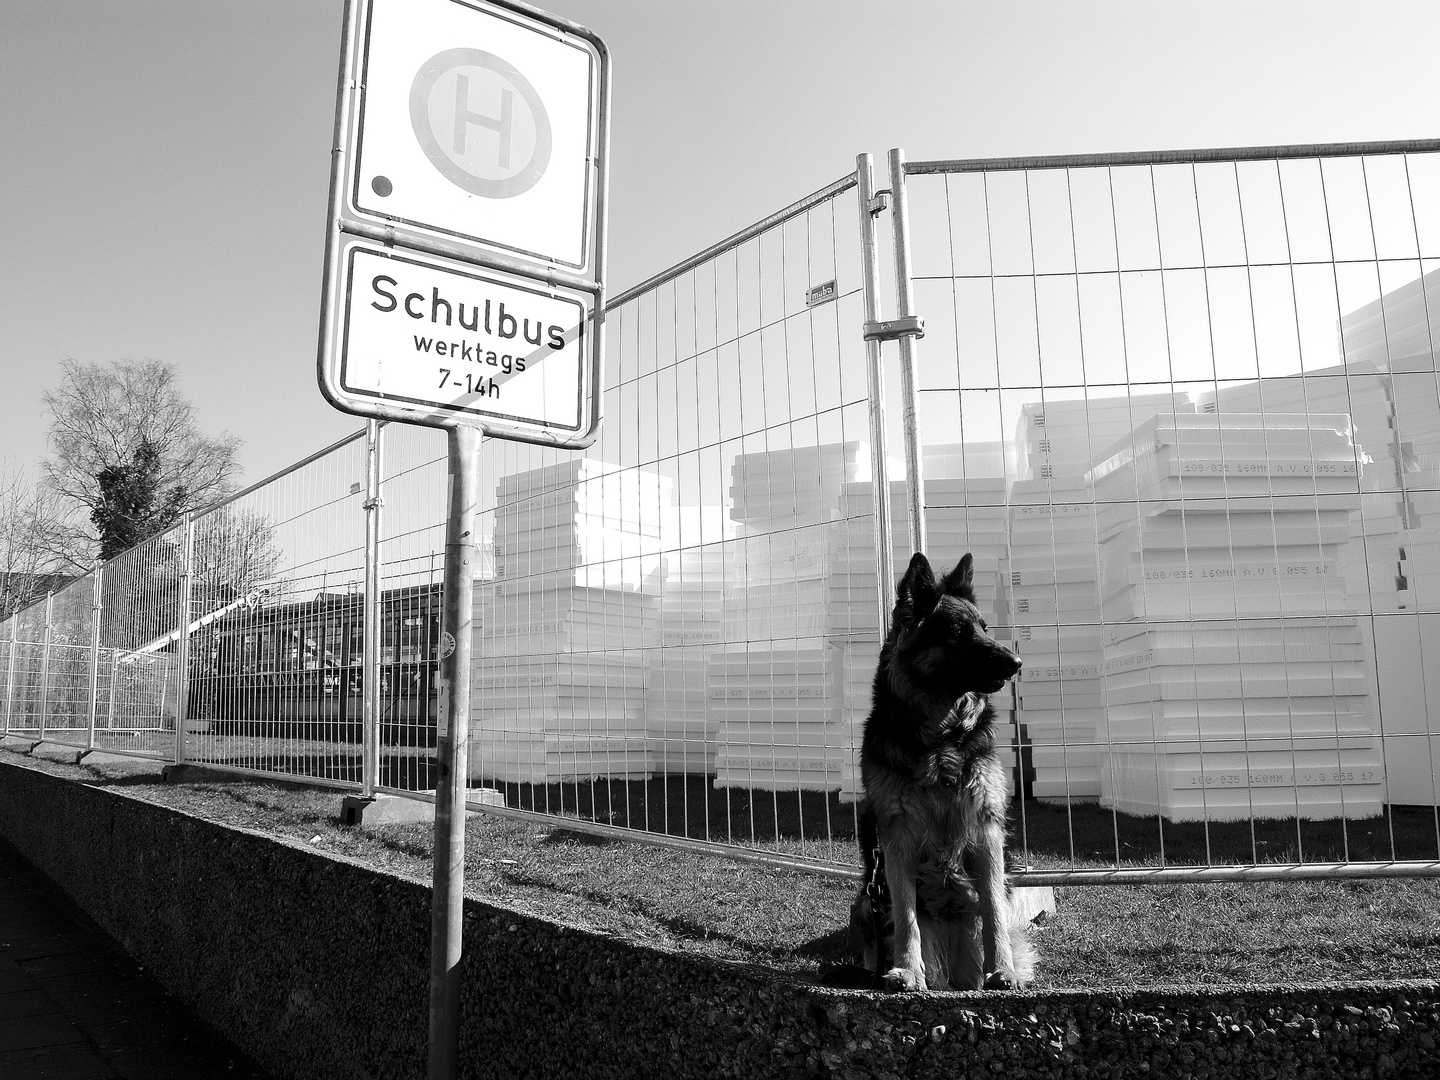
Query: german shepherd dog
{"points": [[936, 795]]}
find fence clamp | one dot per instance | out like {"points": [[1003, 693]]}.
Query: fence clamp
{"points": [[879, 203], [894, 329], [373, 504]]}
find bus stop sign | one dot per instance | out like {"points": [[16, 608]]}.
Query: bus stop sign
{"points": [[466, 230]]}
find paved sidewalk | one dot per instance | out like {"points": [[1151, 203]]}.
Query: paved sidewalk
{"points": [[73, 1006]]}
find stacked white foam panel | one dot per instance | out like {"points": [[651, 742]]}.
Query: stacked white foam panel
{"points": [[562, 633], [681, 727], [774, 690], [1212, 528], [853, 610], [1417, 405], [1052, 604], [1051, 577], [1371, 562]]}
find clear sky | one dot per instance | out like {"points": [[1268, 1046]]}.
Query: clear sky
{"points": [[164, 163]]}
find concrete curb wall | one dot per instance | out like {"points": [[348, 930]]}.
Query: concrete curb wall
{"points": [[318, 968]]}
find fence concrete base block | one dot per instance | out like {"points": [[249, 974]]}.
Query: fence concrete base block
{"points": [[189, 773], [387, 809], [1028, 904], [102, 759], [66, 755], [19, 743]]}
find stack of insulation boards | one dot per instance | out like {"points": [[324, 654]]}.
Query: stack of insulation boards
{"points": [[1236, 683], [681, 728], [1053, 607], [961, 515], [784, 501], [565, 630], [1059, 437], [1372, 563], [773, 688], [1050, 581]]}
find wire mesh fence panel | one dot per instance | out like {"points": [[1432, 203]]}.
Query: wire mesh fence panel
{"points": [[652, 649], [412, 568], [1183, 410], [1198, 401], [7, 671], [276, 597], [139, 634], [68, 667], [25, 664]]}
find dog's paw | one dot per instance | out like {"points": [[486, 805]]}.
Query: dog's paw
{"points": [[999, 980], [900, 979]]}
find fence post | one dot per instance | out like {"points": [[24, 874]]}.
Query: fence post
{"points": [[905, 309], [114, 681], [10, 668], [45, 664], [182, 685], [880, 473], [370, 647], [95, 608]]}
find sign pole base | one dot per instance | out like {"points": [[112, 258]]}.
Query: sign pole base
{"points": [[452, 754]]}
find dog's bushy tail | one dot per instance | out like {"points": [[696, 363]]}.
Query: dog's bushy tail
{"points": [[1023, 952]]}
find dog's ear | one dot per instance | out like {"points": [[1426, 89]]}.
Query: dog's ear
{"points": [[916, 594], [961, 581]]}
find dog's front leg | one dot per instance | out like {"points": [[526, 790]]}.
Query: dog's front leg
{"points": [[995, 913], [900, 874]]}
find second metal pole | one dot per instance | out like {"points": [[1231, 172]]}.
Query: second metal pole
{"points": [[880, 473], [904, 308], [452, 755]]}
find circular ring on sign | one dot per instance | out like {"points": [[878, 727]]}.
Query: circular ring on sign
{"points": [[507, 187]]}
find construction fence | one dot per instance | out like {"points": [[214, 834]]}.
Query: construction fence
{"points": [[1182, 408]]}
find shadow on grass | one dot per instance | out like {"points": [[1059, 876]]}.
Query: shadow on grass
{"points": [[1086, 833], [690, 806], [1042, 833]]}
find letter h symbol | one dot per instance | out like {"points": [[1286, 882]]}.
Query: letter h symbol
{"points": [[464, 118]]}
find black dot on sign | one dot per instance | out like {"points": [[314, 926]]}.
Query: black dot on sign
{"points": [[382, 186]]}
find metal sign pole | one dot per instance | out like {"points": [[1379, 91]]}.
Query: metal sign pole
{"points": [[452, 755], [905, 309]]}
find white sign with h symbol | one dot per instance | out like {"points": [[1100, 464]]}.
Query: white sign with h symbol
{"points": [[476, 123], [464, 276]]}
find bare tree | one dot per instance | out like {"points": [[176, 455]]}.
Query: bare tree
{"points": [[29, 519], [235, 553], [101, 417]]}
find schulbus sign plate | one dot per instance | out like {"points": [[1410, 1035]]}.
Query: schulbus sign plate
{"points": [[435, 341], [466, 228]]}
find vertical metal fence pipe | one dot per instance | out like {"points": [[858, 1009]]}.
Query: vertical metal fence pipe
{"points": [[114, 684], [905, 308], [95, 608], [10, 669], [45, 665], [370, 646], [880, 473], [182, 685]]}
